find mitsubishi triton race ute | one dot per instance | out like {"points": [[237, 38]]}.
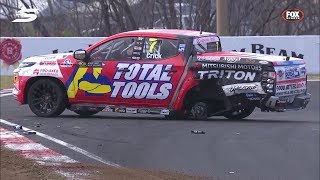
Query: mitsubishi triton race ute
{"points": [[177, 73]]}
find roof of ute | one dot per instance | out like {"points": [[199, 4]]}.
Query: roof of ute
{"points": [[174, 32]]}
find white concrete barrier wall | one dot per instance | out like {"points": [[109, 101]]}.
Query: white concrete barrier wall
{"points": [[306, 47]]}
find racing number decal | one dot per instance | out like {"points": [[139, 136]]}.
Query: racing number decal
{"points": [[153, 43]]}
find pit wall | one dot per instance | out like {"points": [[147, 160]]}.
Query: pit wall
{"points": [[307, 47]]}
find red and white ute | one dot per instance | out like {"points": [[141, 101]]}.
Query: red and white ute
{"points": [[176, 73]]}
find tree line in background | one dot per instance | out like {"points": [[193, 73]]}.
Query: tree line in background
{"points": [[107, 17]]}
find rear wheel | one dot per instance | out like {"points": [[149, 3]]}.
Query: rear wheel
{"points": [[46, 98], [240, 113]]}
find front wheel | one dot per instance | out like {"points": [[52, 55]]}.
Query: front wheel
{"points": [[46, 98], [239, 113], [199, 111]]}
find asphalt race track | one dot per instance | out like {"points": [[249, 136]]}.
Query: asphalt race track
{"points": [[264, 146]]}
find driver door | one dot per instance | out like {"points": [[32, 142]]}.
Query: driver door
{"points": [[97, 81]]}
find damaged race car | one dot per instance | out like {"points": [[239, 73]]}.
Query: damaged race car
{"points": [[177, 73]]}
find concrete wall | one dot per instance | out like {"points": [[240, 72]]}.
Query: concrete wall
{"points": [[306, 47]]}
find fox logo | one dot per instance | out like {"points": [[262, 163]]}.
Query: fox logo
{"points": [[292, 15]]}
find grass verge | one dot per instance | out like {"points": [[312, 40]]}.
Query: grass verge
{"points": [[6, 82], [314, 76], [14, 166]]}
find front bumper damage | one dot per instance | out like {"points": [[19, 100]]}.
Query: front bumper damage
{"points": [[299, 102]]}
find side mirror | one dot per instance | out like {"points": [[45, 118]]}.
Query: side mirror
{"points": [[80, 54]]}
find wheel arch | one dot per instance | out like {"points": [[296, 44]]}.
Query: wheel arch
{"points": [[34, 79]]}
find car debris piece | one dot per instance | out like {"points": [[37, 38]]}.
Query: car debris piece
{"points": [[197, 132], [29, 132], [17, 126]]}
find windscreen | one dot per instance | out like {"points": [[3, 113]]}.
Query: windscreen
{"points": [[207, 44]]}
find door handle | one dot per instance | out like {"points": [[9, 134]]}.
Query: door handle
{"points": [[123, 70]]}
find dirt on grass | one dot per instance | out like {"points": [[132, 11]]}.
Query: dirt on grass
{"points": [[14, 166]]}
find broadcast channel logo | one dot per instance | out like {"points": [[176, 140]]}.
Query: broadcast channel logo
{"points": [[26, 15], [292, 15]]}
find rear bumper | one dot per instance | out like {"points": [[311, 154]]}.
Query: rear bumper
{"points": [[299, 102]]}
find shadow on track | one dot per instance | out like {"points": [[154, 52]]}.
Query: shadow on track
{"points": [[157, 118]]}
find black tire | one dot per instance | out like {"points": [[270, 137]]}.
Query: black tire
{"points": [[199, 111], [240, 113], [86, 112], [46, 98]]}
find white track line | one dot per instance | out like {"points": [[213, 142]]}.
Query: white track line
{"points": [[3, 95], [65, 144]]}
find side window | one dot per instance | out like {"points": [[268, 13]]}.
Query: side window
{"points": [[101, 52], [123, 48], [158, 48]]}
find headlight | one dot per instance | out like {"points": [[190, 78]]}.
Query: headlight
{"points": [[26, 64]]}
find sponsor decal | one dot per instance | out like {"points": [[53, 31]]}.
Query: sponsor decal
{"points": [[231, 59], [291, 92], [120, 110], [205, 40], [233, 89], [66, 63], [154, 55], [82, 64], [47, 63], [182, 47], [249, 60], [139, 48], [280, 74], [46, 72], [232, 66], [165, 112], [131, 110], [253, 96], [208, 58], [26, 15], [303, 71], [95, 64], [108, 109], [237, 75], [10, 52], [292, 15], [136, 82], [35, 72], [143, 111], [154, 111], [49, 57], [137, 53], [135, 58], [291, 86], [292, 72], [263, 62], [290, 89], [89, 81]]}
